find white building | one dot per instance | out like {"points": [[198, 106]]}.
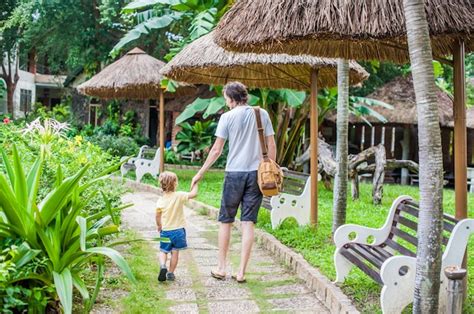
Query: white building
{"points": [[33, 87]]}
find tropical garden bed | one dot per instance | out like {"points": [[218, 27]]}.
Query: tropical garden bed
{"points": [[316, 244]]}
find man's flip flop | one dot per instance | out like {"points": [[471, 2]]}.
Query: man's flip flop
{"points": [[239, 281], [217, 276]]}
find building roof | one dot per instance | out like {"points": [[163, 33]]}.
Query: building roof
{"points": [[400, 93]]}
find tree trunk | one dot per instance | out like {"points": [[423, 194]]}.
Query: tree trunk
{"points": [[10, 94], [340, 180], [428, 262], [379, 174]]}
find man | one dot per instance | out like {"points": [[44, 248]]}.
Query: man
{"points": [[239, 127]]}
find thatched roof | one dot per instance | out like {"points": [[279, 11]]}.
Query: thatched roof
{"points": [[353, 29], [203, 61], [401, 95], [469, 119], [134, 76]]}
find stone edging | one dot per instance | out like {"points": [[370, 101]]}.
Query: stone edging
{"points": [[331, 295]]}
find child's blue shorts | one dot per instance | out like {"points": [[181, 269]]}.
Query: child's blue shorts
{"points": [[177, 240]]}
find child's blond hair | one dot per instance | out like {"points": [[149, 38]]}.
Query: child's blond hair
{"points": [[168, 181]]}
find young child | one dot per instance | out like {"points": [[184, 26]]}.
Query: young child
{"points": [[171, 223]]}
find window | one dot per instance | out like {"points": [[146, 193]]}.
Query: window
{"points": [[94, 114], [25, 100]]}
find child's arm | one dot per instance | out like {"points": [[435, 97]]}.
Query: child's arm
{"points": [[158, 221], [194, 191]]}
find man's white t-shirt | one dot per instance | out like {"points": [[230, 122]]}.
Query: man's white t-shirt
{"points": [[239, 127]]}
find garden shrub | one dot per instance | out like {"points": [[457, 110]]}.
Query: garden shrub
{"points": [[42, 169], [116, 145]]}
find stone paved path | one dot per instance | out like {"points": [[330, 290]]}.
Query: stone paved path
{"points": [[270, 286]]}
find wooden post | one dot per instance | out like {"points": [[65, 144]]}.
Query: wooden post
{"points": [[406, 152], [314, 147], [460, 132], [162, 131]]}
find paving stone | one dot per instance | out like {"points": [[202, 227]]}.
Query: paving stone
{"points": [[300, 303], [196, 240], [274, 269], [276, 277], [229, 307], [288, 289], [205, 253], [185, 308], [208, 261], [213, 282], [181, 282], [181, 295], [227, 293]]}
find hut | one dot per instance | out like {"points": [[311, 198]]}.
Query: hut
{"points": [[399, 133]]}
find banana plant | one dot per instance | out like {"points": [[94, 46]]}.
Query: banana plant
{"points": [[198, 17], [54, 227]]}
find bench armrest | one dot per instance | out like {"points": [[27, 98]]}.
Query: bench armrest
{"points": [[359, 234], [365, 235], [398, 268]]}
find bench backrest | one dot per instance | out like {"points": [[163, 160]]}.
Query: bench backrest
{"points": [[403, 235], [293, 183]]}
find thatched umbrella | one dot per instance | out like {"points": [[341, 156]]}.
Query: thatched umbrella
{"points": [[358, 29], [134, 76], [205, 62]]}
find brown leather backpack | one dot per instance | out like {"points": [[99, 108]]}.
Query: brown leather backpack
{"points": [[270, 176]]}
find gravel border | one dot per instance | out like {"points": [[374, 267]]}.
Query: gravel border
{"points": [[330, 294]]}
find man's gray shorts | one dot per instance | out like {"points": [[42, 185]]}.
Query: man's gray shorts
{"points": [[240, 188]]}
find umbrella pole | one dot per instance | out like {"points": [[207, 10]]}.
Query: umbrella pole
{"points": [[162, 131], [460, 133], [314, 147]]}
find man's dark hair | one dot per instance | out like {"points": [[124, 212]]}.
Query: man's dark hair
{"points": [[237, 92]]}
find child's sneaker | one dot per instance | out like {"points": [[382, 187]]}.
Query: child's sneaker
{"points": [[162, 276], [170, 277]]}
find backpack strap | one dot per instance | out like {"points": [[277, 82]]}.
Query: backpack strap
{"points": [[261, 136]]}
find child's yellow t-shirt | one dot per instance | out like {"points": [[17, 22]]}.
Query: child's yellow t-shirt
{"points": [[171, 205]]}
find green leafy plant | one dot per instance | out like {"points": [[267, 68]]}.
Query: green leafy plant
{"points": [[195, 138], [55, 226], [193, 18], [116, 145]]}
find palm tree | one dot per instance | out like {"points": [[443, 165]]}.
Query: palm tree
{"points": [[340, 180], [428, 263]]}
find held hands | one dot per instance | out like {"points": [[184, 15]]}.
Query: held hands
{"points": [[159, 228], [196, 179]]}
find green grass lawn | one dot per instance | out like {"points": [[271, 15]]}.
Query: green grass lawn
{"points": [[316, 244]]}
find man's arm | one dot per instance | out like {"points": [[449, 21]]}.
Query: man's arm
{"points": [[214, 154], [271, 147], [158, 221]]}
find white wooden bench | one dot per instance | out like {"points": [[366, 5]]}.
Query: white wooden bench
{"points": [[142, 164], [470, 179], [388, 254], [294, 201]]}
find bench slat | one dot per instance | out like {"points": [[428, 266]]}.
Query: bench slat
{"points": [[445, 216], [406, 222], [404, 235], [382, 251], [409, 209], [397, 247], [366, 253], [366, 269]]}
